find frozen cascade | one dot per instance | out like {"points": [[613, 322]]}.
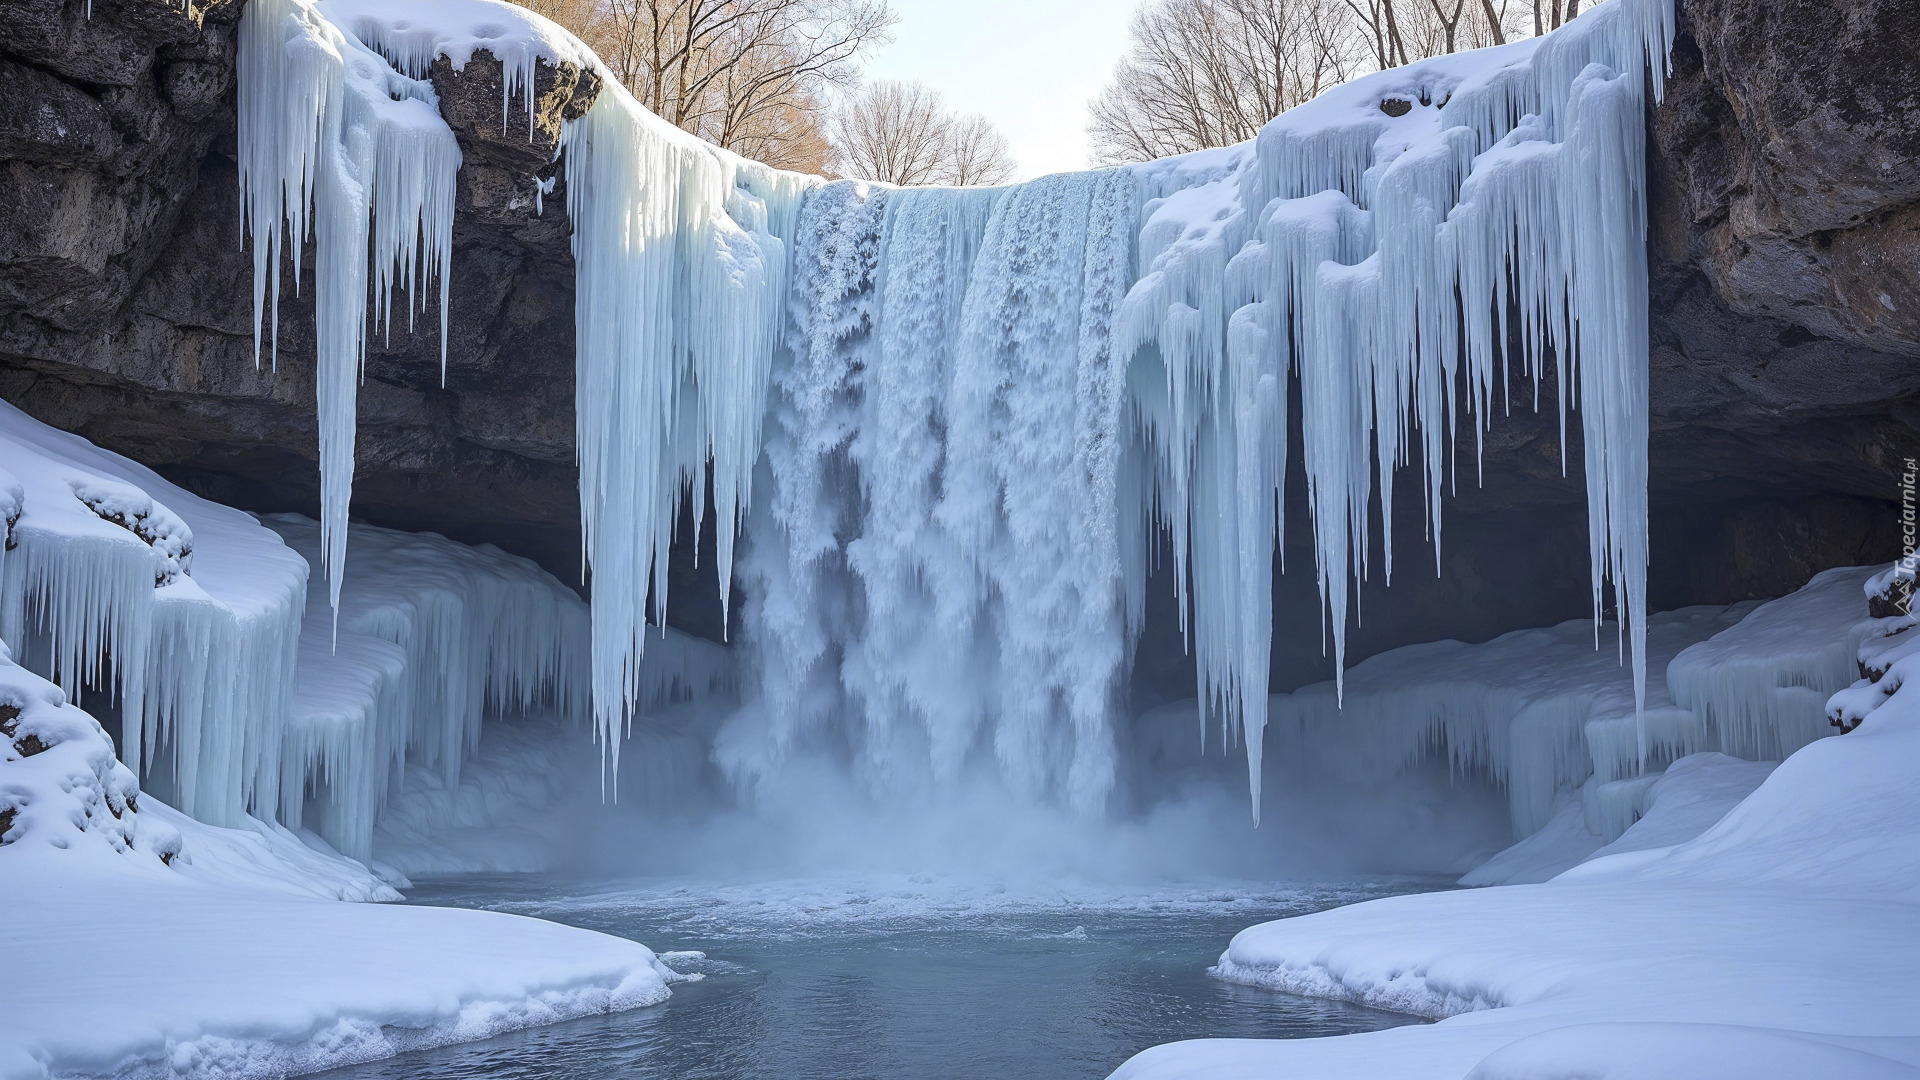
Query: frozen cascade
{"points": [[972, 408], [940, 561], [432, 636]]}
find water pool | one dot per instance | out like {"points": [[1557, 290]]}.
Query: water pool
{"points": [[909, 977]]}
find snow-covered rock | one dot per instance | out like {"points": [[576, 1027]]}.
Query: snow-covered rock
{"points": [[60, 783]]}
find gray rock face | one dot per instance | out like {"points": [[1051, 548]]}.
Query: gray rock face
{"points": [[1795, 134], [1785, 253]]}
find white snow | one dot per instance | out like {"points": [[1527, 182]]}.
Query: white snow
{"points": [[142, 971], [1780, 942], [140, 940]]}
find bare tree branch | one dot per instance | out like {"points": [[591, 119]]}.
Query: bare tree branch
{"points": [[1203, 73], [750, 75], [901, 133]]}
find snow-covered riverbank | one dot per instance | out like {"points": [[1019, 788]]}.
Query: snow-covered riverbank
{"points": [[1782, 942], [149, 974]]}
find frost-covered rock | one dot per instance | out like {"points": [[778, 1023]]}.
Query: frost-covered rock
{"points": [[60, 784]]}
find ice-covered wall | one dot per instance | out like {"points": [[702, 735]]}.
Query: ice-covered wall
{"points": [[948, 422], [236, 693], [1552, 723]]}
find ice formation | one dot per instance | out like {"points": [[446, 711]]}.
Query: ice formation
{"points": [[1761, 687], [337, 144], [242, 700], [1554, 724], [1668, 956], [187, 611], [431, 637], [964, 413]]}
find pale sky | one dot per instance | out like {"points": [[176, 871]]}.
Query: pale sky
{"points": [[1030, 67]]}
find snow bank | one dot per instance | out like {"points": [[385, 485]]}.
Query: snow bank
{"points": [[60, 784], [1666, 808], [266, 856], [146, 973], [1780, 942], [141, 942]]}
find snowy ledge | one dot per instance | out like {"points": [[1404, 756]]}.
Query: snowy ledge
{"points": [[200, 982], [1778, 943]]}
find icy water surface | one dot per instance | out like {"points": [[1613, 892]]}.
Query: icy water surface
{"points": [[913, 977]]}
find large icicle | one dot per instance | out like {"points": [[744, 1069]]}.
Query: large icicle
{"points": [[337, 143], [680, 251], [1510, 176]]}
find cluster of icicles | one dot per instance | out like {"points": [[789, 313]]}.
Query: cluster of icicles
{"points": [[237, 693], [948, 422]]}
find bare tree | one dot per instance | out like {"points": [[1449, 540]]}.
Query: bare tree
{"points": [[1552, 14], [750, 75], [579, 16], [977, 153], [1402, 31], [894, 132], [1202, 73], [901, 133]]}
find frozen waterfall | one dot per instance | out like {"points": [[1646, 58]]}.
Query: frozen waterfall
{"points": [[949, 425]]}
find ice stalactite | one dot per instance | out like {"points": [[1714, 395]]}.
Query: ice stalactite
{"points": [[337, 144], [681, 262], [1354, 247]]}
